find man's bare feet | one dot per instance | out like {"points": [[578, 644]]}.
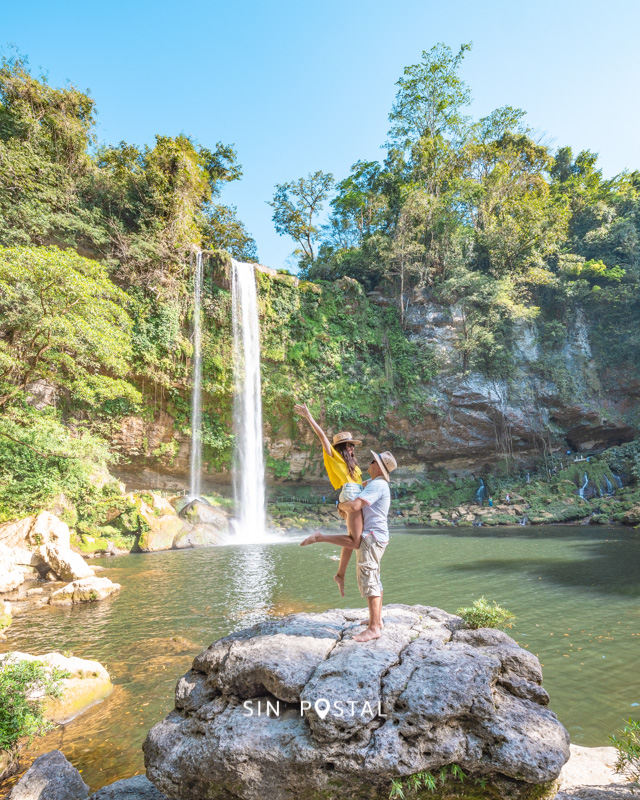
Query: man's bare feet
{"points": [[368, 635], [340, 581], [311, 539]]}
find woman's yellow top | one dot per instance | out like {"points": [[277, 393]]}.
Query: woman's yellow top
{"points": [[338, 471]]}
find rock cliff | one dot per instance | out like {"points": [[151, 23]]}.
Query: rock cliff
{"points": [[549, 398]]}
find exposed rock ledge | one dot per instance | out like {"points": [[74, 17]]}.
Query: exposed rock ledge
{"points": [[450, 696]]}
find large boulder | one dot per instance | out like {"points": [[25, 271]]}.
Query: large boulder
{"points": [[32, 532], [85, 683], [137, 788], [85, 590], [163, 524], [67, 565], [296, 708], [162, 532], [50, 777], [199, 536]]}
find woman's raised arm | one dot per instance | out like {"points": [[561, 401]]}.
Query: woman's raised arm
{"points": [[301, 408]]}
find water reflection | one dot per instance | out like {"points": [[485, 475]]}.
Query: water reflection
{"points": [[253, 579]]}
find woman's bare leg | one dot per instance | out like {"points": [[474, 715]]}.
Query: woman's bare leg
{"points": [[355, 524]]}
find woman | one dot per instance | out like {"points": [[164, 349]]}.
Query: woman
{"points": [[345, 474]]}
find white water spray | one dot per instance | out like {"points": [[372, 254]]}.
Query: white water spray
{"points": [[196, 393], [248, 480]]}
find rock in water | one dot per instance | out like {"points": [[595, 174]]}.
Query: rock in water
{"points": [[85, 590], [85, 684], [295, 709], [136, 788], [52, 777]]}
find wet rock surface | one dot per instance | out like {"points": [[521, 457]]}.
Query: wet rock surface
{"points": [[295, 708]]}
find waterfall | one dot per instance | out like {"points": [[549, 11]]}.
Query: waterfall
{"points": [[618, 480], [582, 489], [196, 392], [248, 482], [481, 493]]}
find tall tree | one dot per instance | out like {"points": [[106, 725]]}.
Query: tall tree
{"points": [[430, 98], [296, 206]]}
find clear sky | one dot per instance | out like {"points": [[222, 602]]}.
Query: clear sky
{"points": [[300, 86]]}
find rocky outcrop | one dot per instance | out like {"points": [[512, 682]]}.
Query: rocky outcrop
{"points": [[85, 683], [38, 547], [32, 532], [50, 777], [552, 399], [136, 788], [86, 590], [67, 565], [295, 708]]}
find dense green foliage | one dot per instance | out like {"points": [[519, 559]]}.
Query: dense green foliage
{"points": [[482, 215], [19, 715]]}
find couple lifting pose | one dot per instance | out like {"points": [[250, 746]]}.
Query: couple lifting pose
{"points": [[365, 507]]}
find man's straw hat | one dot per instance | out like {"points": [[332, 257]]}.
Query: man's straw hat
{"points": [[344, 436], [386, 462]]}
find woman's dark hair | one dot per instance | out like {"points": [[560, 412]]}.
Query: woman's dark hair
{"points": [[350, 460]]}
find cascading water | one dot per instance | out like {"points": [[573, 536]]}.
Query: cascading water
{"points": [[583, 488], [481, 493], [196, 394], [248, 481]]}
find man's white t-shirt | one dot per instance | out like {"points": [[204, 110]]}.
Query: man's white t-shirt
{"points": [[377, 501]]}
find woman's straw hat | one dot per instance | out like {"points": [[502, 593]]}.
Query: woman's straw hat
{"points": [[386, 462], [344, 436]]}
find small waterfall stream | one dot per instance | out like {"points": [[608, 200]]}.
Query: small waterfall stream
{"points": [[248, 483], [582, 490], [196, 392]]}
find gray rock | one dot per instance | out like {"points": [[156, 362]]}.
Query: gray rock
{"points": [[295, 708], [52, 777], [136, 788]]}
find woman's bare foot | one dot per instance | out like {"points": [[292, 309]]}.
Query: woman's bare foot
{"points": [[315, 537], [368, 635], [340, 581]]}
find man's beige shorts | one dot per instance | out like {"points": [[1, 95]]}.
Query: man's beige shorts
{"points": [[369, 557]]}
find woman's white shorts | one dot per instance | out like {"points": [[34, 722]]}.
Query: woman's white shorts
{"points": [[349, 492]]}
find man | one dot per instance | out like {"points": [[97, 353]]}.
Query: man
{"points": [[374, 502]]}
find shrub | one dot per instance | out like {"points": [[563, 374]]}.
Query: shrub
{"points": [[483, 614], [21, 714], [627, 743]]}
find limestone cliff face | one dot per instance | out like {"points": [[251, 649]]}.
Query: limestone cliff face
{"points": [[554, 399]]}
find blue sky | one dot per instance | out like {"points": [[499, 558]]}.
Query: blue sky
{"points": [[304, 86]]}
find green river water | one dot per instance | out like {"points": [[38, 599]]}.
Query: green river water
{"points": [[575, 591]]}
